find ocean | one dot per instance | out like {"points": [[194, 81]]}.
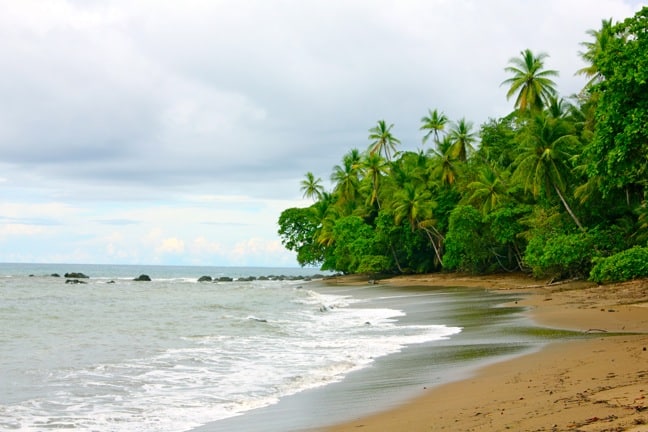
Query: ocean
{"points": [[173, 354]]}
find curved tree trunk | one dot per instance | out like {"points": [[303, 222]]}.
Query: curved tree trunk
{"points": [[398, 266], [436, 247], [569, 210]]}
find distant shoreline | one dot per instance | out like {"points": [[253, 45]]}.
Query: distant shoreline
{"points": [[600, 382]]}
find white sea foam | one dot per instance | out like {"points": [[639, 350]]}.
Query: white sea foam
{"points": [[171, 355]]}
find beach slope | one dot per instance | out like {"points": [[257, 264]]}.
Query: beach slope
{"points": [[599, 383]]}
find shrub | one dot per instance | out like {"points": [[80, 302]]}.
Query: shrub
{"points": [[564, 255], [629, 264], [465, 248]]}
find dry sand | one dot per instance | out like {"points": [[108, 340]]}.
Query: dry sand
{"points": [[596, 384]]}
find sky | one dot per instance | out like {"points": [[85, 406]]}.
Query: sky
{"points": [[175, 133]]}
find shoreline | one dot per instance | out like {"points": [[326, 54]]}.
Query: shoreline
{"points": [[596, 384], [490, 332]]}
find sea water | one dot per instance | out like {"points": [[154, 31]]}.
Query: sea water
{"points": [[113, 354]]}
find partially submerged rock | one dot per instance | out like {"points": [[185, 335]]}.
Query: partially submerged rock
{"points": [[74, 281], [75, 275]]}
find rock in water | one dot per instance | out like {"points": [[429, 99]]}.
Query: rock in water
{"points": [[76, 275]]}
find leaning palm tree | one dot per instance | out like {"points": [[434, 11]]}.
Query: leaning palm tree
{"points": [[542, 166], [530, 81], [462, 137], [382, 139], [312, 187], [434, 124], [414, 203]]}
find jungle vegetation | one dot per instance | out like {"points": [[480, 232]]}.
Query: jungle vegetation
{"points": [[557, 188]]}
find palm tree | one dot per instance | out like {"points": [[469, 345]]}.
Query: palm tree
{"points": [[542, 163], [382, 139], [312, 187], [593, 48], [557, 107], [373, 167], [487, 191], [530, 81], [462, 138], [415, 203], [434, 123], [327, 213], [346, 179], [442, 164]]}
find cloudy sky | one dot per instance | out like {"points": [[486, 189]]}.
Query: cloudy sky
{"points": [[168, 132]]}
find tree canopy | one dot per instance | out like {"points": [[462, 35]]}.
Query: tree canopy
{"points": [[555, 188]]}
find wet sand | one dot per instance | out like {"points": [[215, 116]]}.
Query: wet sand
{"points": [[595, 384]]}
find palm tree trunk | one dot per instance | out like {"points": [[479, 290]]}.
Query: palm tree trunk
{"points": [[398, 266], [569, 210], [434, 245]]}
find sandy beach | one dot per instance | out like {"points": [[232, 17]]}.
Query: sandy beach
{"points": [[596, 384]]}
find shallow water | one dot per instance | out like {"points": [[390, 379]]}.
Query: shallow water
{"points": [[173, 354], [490, 332]]}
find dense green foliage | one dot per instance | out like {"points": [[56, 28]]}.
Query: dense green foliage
{"points": [[555, 188], [629, 264]]}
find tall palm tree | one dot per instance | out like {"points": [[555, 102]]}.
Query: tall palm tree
{"points": [[382, 139], [542, 163], [312, 187], [462, 137], [601, 38], [434, 124], [530, 81], [373, 167]]}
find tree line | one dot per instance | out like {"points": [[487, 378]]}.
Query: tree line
{"points": [[556, 188]]}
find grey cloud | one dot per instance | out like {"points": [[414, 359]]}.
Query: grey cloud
{"points": [[129, 99]]}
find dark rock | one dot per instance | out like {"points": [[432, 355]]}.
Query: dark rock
{"points": [[225, 279], [205, 279], [111, 282], [74, 281], [143, 278], [75, 275], [55, 275], [246, 279]]}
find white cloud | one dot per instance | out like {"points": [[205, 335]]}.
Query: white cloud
{"points": [[201, 246], [170, 245], [178, 131], [19, 230]]}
